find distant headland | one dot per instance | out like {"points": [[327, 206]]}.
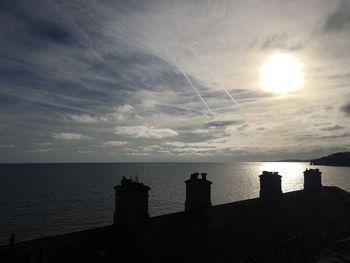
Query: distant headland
{"points": [[335, 159]]}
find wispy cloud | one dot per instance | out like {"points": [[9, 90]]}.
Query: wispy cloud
{"points": [[336, 136], [85, 152], [144, 132], [276, 42], [7, 145], [219, 123], [70, 136], [122, 113], [200, 131], [41, 150], [84, 118], [114, 143], [333, 127], [43, 144]]}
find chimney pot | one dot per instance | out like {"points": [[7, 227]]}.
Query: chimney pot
{"points": [[131, 202], [197, 193], [270, 185], [312, 181]]}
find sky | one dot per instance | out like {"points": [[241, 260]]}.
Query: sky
{"points": [[128, 81]]}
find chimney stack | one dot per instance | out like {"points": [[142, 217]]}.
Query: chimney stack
{"points": [[270, 185], [131, 202], [197, 193], [312, 180]]}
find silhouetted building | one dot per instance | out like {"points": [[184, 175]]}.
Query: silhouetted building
{"points": [[270, 185], [312, 180], [197, 193], [246, 231], [131, 202]]}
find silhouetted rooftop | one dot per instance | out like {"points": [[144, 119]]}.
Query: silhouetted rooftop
{"points": [[226, 233]]}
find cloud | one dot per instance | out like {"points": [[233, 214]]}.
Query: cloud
{"points": [[52, 31], [346, 109], [7, 145], [219, 124], [137, 153], [86, 119], [276, 42], [85, 152], [336, 136], [333, 127], [209, 147], [122, 113], [114, 143], [340, 19], [144, 132], [70, 136], [43, 144], [41, 150], [200, 131], [193, 145], [149, 149]]}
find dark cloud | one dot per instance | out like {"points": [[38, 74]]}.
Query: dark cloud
{"points": [[336, 136], [249, 95], [346, 109], [220, 123], [339, 19], [52, 32], [333, 127], [345, 76], [31, 29], [276, 41]]}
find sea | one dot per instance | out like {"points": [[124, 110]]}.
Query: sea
{"points": [[40, 200]]}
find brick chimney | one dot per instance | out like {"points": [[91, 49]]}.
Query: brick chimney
{"points": [[131, 202], [312, 181], [197, 193], [270, 185]]}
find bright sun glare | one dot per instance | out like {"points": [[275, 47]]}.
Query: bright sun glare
{"points": [[281, 73]]}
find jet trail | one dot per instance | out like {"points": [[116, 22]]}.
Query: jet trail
{"points": [[190, 82], [212, 73], [186, 77]]}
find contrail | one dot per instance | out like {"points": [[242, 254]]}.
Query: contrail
{"points": [[186, 76], [190, 82], [212, 73]]}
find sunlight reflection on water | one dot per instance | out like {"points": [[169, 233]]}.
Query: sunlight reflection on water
{"points": [[234, 182], [292, 173]]}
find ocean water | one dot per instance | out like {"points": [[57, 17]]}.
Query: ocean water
{"points": [[38, 200]]}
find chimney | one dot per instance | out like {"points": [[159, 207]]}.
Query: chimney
{"points": [[312, 180], [270, 185], [197, 193], [131, 202]]}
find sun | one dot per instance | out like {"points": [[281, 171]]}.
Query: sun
{"points": [[281, 73]]}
